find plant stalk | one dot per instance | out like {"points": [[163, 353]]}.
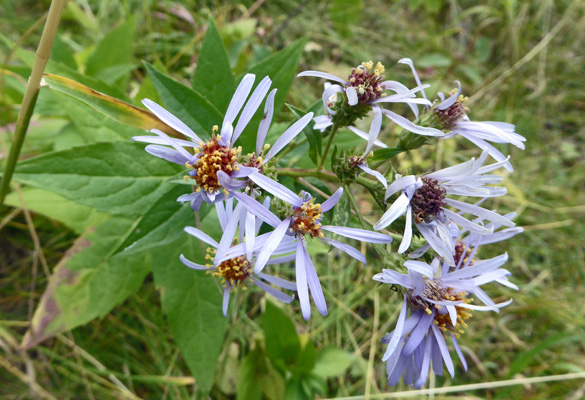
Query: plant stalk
{"points": [[32, 91], [334, 130]]}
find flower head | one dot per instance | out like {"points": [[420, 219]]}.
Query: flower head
{"points": [[439, 304], [230, 263], [302, 221], [424, 200]]}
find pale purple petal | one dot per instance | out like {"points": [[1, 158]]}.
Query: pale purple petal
{"points": [[409, 62], [325, 75], [159, 140], [412, 127], [226, 300], [283, 283], [407, 237], [480, 212], [451, 100], [258, 209], [424, 368], [314, 284], [392, 277], [444, 350], [285, 298], [465, 223], [459, 352], [375, 127], [271, 245], [376, 174], [266, 121], [276, 189], [201, 236], [170, 119], [364, 135], [242, 172], [348, 249], [437, 244], [251, 107], [331, 201], [289, 135], [281, 260], [250, 234], [420, 267], [236, 103], [230, 184], [327, 93], [221, 214], [189, 197], [397, 332], [302, 285], [191, 264], [352, 97], [399, 207], [171, 142], [418, 333], [401, 184], [165, 153], [230, 230], [322, 122], [400, 88], [359, 234], [482, 144]]}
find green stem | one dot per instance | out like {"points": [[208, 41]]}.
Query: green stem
{"points": [[32, 91], [334, 130], [303, 173], [354, 205]]}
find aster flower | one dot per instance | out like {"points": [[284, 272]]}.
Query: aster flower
{"points": [[218, 153], [451, 116], [438, 302], [424, 202], [303, 220], [231, 264]]}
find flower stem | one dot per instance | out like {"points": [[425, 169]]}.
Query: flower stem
{"points": [[334, 130], [302, 173], [32, 91]]}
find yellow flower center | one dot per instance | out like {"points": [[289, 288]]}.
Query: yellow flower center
{"points": [[306, 219], [233, 272]]}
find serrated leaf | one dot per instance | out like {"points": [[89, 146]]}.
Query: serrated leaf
{"points": [[332, 361], [119, 178], [75, 216], [213, 77], [118, 110], [282, 340], [188, 105], [113, 50], [281, 67]]}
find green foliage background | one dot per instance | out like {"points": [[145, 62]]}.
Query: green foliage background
{"points": [[520, 62]]}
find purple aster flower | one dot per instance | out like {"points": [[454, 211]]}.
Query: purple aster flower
{"points": [[218, 154], [451, 114], [424, 202], [436, 304], [231, 264], [303, 220]]}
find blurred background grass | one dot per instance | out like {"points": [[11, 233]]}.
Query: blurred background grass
{"points": [[519, 61]]}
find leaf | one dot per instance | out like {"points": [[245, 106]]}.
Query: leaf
{"points": [[251, 370], [118, 110], [28, 57], [342, 211], [213, 77], [282, 340], [306, 360], [120, 178], [332, 361], [62, 53], [192, 301], [185, 103], [281, 67], [113, 50], [88, 282], [75, 216], [385, 154], [344, 14], [314, 136]]}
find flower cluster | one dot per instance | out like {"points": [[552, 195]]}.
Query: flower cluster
{"points": [[438, 293]]}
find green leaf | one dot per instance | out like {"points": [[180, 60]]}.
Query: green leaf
{"points": [[251, 370], [213, 77], [192, 300], [282, 340], [53, 67], [75, 216], [118, 110], [120, 178], [306, 360], [342, 211], [88, 281], [314, 136], [113, 50], [62, 53], [185, 103], [344, 14], [332, 361], [385, 154], [281, 67]]}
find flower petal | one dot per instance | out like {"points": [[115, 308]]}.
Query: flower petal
{"points": [[170, 119], [191, 264], [410, 126], [444, 350], [226, 300], [165, 153], [364, 135], [271, 245], [236, 103], [285, 298], [314, 284], [397, 332], [201, 236], [325, 75], [289, 135], [302, 285], [353, 252], [376, 174], [258, 209], [399, 207], [358, 234], [331, 201], [407, 237], [265, 122], [276, 189], [352, 97], [480, 212], [251, 107], [283, 283]]}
